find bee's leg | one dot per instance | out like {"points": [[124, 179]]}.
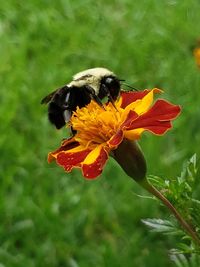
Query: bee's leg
{"points": [[107, 92], [91, 92], [110, 99], [73, 132], [97, 100]]}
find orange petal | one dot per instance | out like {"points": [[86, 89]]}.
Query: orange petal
{"points": [[69, 155], [129, 97], [69, 160], [67, 144], [141, 106], [157, 119], [133, 134], [130, 117], [93, 164], [116, 139]]}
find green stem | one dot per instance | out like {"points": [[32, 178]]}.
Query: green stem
{"points": [[151, 189]]}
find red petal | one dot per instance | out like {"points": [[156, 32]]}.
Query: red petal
{"points": [[91, 171], [67, 144], [132, 116], [129, 97], [116, 139], [157, 119], [71, 160]]}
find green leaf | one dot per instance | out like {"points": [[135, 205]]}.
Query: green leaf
{"points": [[162, 226], [182, 260]]}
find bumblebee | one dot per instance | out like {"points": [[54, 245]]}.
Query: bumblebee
{"points": [[96, 84]]}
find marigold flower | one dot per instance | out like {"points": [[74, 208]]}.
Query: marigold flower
{"points": [[196, 53], [114, 130]]}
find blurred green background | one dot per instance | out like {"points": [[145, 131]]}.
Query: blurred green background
{"points": [[48, 217]]}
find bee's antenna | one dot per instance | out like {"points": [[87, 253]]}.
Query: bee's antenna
{"points": [[129, 86], [126, 84]]}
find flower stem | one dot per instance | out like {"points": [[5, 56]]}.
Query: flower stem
{"points": [[151, 189]]}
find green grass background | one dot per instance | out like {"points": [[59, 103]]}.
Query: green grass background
{"points": [[48, 217]]}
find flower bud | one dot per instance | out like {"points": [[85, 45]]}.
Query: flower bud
{"points": [[131, 159]]}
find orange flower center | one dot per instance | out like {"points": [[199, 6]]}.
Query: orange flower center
{"points": [[94, 125]]}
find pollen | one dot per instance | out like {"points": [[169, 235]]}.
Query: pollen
{"points": [[95, 125]]}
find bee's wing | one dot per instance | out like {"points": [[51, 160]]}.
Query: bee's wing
{"points": [[48, 98]]}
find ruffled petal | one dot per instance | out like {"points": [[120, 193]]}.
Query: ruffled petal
{"points": [[116, 139], [69, 155], [142, 105], [133, 134], [70, 160], [157, 119], [93, 164], [130, 117], [130, 96], [66, 145]]}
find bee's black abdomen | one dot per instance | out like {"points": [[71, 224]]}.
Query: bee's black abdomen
{"points": [[55, 114]]}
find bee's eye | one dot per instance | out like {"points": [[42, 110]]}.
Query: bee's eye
{"points": [[113, 84], [110, 82]]}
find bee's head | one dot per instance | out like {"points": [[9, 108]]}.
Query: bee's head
{"points": [[109, 86]]}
